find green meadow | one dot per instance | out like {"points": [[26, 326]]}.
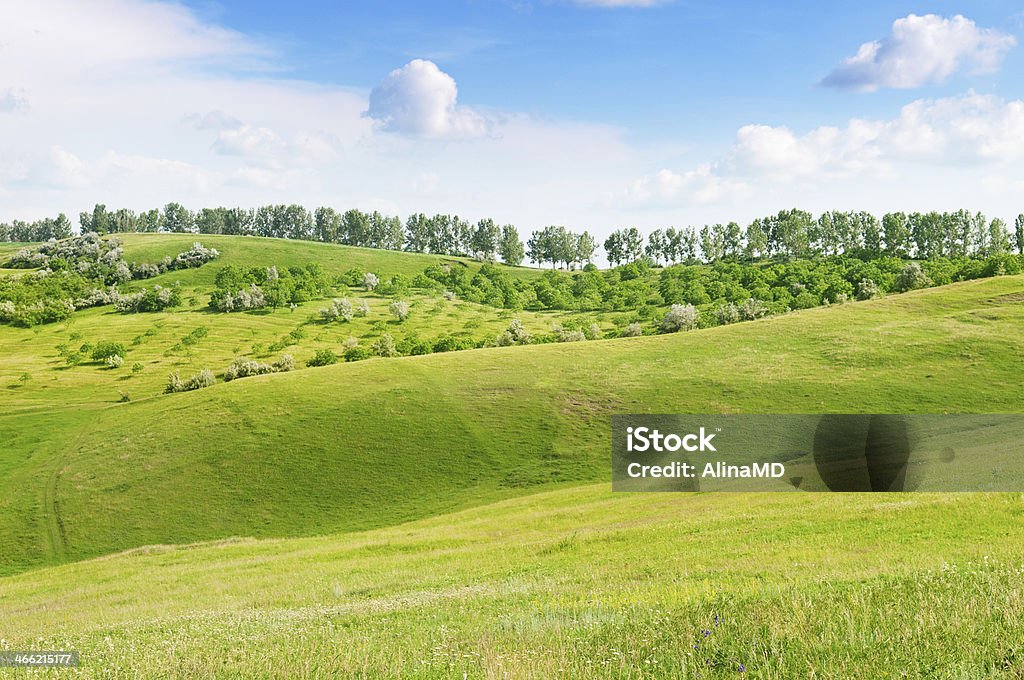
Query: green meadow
{"points": [[451, 514]]}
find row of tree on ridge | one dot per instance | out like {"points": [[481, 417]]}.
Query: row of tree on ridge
{"points": [[787, 234]]}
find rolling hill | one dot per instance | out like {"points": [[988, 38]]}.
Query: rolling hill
{"points": [[375, 443]]}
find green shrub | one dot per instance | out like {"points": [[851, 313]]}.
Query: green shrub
{"points": [[323, 357], [105, 349]]}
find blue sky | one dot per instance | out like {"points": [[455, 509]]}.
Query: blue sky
{"points": [[646, 113], [673, 68]]}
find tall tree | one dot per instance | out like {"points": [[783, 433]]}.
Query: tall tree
{"points": [[326, 224], [896, 234], [998, 238], [1019, 234], [485, 239], [177, 219], [757, 240], [614, 248], [417, 233], [586, 245], [511, 246]]}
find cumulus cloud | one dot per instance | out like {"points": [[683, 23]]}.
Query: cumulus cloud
{"points": [[248, 140], [922, 50], [701, 186], [420, 99], [969, 130]]}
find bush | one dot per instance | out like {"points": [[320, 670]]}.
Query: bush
{"points": [[515, 334], [114, 361], [727, 314], [370, 281], [244, 368], [350, 343], [384, 346], [105, 349], [680, 318], [400, 310], [196, 256], [593, 332], [146, 300], [239, 301], [912, 277], [633, 330], [203, 378], [323, 357], [339, 309], [362, 308], [868, 290], [357, 354], [137, 368], [752, 308], [571, 336]]}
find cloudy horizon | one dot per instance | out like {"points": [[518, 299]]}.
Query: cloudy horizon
{"points": [[137, 103]]}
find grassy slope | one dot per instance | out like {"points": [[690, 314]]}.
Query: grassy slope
{"points": [[52, 385], [573, 583], [370, 444]]}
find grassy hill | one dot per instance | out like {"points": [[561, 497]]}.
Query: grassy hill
{"points": [[449, 514], [370, 444], [573, 583]]}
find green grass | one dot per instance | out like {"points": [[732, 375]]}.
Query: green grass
{"points": [[575, 583], [357, 446], [438, 515]]}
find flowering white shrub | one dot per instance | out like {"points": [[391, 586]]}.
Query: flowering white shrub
{"points": [[203, 378], [400, 309], [868, 290], [196, 256], [384, 346], [362, 308], [114, 361], [515, 334], [245, 299], [680, 318], [571, 336], [727, 313], [633, 330], [244, 368], [339, 309], [370, 280], [912, 277], [752, 309]]}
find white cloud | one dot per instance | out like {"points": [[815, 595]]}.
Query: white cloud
{"points": [[700, 186], [247, 140], [968, 130], [173, 112], [421, 99], [922, 50]]}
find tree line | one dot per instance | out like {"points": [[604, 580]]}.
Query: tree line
{"points": [[789, 234]]}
